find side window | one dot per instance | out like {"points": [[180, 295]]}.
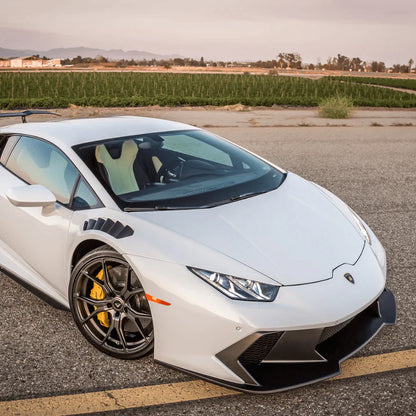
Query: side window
{"points": [[38, 162], [84, 198], [6, 146], [189, 146]]}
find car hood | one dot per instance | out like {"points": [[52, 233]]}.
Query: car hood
{"points": [[294, 234]]}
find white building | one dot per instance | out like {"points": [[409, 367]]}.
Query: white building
{"points": [[34, 62]]}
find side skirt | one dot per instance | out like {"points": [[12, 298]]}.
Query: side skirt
{"points": [[41, 295]]}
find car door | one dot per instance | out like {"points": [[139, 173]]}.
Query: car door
{"points": [[39, 236]]}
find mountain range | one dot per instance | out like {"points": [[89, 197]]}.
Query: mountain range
{"points": [[62, 53]]}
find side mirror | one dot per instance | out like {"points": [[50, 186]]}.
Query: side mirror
{"points": [[31, 196]]}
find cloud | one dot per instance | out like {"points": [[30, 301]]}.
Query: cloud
{"points": [[12, 38], [226, 29], [50, 12]]}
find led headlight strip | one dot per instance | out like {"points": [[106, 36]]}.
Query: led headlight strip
{"points": [[361, 226], [237, 288]]}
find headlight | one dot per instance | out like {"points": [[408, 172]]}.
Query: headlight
{"points": [[371, 239], [236, 288], [361, 226]]}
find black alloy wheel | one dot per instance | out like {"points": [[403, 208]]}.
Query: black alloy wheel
{"points": [[109, 305]]}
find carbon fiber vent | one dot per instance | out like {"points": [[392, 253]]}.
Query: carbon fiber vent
{"points": [[259, 349], [330, 331], [106, 225]]}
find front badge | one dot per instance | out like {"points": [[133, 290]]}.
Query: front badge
{"points": [[349, 278]]}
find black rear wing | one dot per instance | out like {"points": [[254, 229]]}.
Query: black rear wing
{"points": [[26, 113]]}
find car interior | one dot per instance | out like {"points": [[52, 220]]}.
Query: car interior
{"points": [[130, 165], [127, 166]]}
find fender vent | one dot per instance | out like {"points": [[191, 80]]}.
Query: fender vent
{"points": [[115, 229]]}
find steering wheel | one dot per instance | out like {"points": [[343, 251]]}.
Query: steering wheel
{"points": [[169, 171]]}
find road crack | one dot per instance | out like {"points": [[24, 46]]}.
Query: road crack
{"points": [[114, 399]]}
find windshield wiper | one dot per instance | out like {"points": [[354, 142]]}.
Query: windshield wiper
{"points": [[214, 204], [168, 207], [246, 195], [234, 199], [156, 208]]}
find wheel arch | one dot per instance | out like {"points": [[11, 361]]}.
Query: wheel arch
{"points": [[86, 246]]}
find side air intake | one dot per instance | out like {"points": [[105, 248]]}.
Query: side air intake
{"points": [[106, 225]]}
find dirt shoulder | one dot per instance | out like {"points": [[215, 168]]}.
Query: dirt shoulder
{"points": [[240, 116]]}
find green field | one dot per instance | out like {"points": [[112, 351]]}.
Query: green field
{"points": [[118, 89], [409, 84]]}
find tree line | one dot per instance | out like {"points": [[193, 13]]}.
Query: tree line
{"points": [[339, 63], [284, 60]]}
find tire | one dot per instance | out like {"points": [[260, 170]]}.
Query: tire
{"points": [[109, 305]]}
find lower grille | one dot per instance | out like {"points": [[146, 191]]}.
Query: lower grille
{"points": [[330, 331], [259, 349]]}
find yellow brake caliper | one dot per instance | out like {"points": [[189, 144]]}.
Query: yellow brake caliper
{"points": [[97, 293]]}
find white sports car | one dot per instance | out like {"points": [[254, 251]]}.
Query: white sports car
{"points": [[162, 236]]}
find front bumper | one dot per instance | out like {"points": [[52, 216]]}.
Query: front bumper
{"points": [[275, 361], [205, 333]]}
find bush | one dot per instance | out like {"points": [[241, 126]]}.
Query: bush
{"points": [[336, 107]]}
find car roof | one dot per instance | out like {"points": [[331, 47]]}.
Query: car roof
{"points": [[77, 131]]}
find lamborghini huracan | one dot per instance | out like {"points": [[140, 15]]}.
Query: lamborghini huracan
{"points": [[162, 237]]}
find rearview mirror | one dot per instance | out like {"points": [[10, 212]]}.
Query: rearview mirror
{"points": [[31, 196]]}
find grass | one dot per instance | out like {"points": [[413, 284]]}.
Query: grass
{"points": [[336, 107], [115, 89]]}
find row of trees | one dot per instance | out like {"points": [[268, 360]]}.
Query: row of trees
{"points": [[78, 60], [284, 60], [122, 63], [339, 62], [344, 63]]}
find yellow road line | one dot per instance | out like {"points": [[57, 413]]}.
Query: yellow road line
{"points": [[114, 399], [179, 392], [380, 363]]}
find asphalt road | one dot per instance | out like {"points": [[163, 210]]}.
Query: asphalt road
{"points": [[373, 169]]}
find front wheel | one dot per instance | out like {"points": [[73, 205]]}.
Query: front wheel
{"points": [[109, 305]]}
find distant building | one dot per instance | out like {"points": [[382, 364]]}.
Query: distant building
{"points": [[16, 63], [34, 62], [53, 63], [4, 63]]}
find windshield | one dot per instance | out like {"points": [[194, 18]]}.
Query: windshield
{"points": [[177, 170]]}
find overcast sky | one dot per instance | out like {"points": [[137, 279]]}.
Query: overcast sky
{"points": [[218, 29]]}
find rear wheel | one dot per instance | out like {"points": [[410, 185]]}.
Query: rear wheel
{"points": [[109, 305]]}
